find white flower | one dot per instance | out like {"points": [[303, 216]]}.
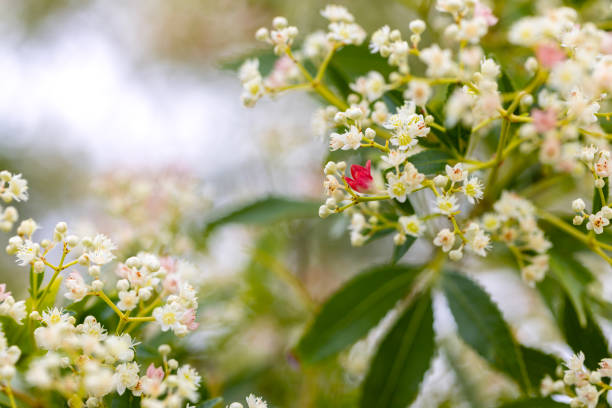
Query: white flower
{"points": [[489, 68], [371, 86], [126, 376], [316, 45], [479, 243], [76, 286], [188, 381], [597, 222], [446, 205], [346, 33], [98, 380], [395, 157], [380, 38], [407, 126], [411, 225], [419, 91], [128, 300], [456, 173], [438, 61], [472, 188], [333, 13], [120, 348], [100, 250], [397, 187], [18, 188], [27, 252], [169, 316], [445, 239], [255, 402]]}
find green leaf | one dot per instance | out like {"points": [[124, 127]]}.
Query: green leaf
{"points": [[430, 161], [481, 325], [402, 359], [573, 278], [535, 403], [265, 211], [538, 364], [505, 83], [597, 204], [400, 250], [211, 403], [588, 339], [354, 309]]}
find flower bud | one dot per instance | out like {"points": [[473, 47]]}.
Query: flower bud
{"points": [[72, 240], [262, 34], [578, 219], [133, 262], [123, 285], [455, 254], [324, 211], [417, 26], [341, 166], [61, 227], [531, 65], [279, 22], [235, 405], [330, 168], [399, 239], [331, 203], [164, 349], [354, 113], [94, 270], [173, 364], [370, 133], [599, 183], [35, 315], [97, 285], [578, 205], [440, 180]]}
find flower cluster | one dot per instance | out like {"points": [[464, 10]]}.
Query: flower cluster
{"points": [[514, 223], [82, 361], [12, 187], [581, 385], [379, 195], [99, 363]]}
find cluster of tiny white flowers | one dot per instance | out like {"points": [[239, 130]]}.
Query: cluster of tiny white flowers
{"points": [[514, 223], [12, 187], [100, 363], [576, 59], [11, 308], [581, 385]]}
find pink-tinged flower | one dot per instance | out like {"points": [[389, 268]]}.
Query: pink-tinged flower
{"points": [[544, 120], [362, 178], [156, 373], [188, 319], [484, 12], [606, 43], [549, 55], [3, 293]]}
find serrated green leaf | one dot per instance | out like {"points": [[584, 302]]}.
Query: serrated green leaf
{"points": [[597, 203], [400, 250], [481, 325], [354, 309], [535, 403], [265, 211], [402, 359], [430, 161]]}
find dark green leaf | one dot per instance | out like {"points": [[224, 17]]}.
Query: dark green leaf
{"points": [[535, 403], [354, 309], [597, 203], [505, 83], [400, 250], [573, 278], [588, 339], [402, 359], [538, 364], [430, 161], [481, 325], [265, 211]]}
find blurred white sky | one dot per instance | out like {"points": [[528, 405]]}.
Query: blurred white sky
{"points": [[83, 81]]}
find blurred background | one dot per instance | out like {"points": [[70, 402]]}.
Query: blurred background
{"points": [[126, 119]]}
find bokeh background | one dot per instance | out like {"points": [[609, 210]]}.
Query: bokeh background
{"points": [[125, 117]]}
